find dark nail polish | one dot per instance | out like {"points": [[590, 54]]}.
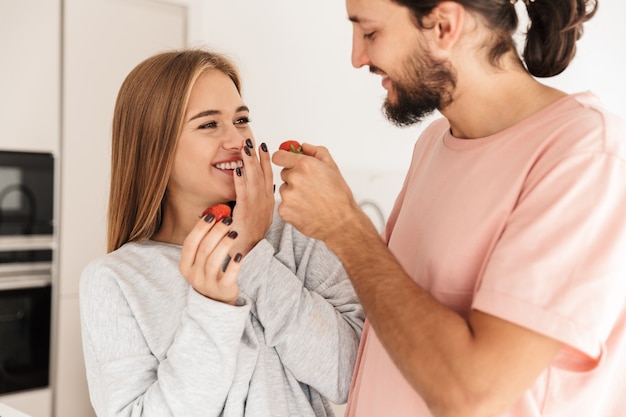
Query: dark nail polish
{"points": [[232, 234], [249, 143], [238, 257], [209, 218], [264, 147], [227, 220], [247, 151], [225, 263], [238, 171]]}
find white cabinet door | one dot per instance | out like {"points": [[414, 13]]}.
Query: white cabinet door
{"points": [[32, 403], [30, 37]]}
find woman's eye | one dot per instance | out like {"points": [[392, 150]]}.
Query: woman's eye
{"points": [[242, 120], [208, 125]]}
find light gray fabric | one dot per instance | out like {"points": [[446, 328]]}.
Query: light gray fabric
{"points": [[155, 347]]}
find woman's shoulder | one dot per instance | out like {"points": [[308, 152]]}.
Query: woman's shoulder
{"points": [[133, 252], [130, 261]]}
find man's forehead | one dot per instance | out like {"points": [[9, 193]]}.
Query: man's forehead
{"points": [[372, 11]]}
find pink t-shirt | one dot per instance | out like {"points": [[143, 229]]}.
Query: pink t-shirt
{"points": [[528, 225]]}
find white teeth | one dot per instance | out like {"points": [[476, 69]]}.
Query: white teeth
{"points": [[229, 165]]}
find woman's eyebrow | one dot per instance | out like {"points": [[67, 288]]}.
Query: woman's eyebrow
{"points": [[205, 113]]}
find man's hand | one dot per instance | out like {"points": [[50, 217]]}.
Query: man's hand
{"points": [[315, 197]]}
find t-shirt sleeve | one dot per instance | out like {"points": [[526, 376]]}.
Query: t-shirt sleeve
{"points": [[559, 267]]}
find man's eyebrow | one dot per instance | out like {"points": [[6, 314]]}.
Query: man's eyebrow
{"points": [[214, 112], [357, 19]]}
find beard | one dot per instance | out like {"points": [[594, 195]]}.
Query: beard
{"points": [[425, 86]]}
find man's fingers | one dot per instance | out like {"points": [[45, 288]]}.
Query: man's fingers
{"points": [[318, 152], [290, 160]]}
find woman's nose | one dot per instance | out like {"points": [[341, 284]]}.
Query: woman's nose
{"points": [[233, 139]]}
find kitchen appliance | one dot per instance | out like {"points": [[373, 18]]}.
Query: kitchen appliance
{"points": [[26, 253]]}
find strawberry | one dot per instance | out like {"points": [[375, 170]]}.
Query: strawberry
{"points": [[220, 211], [291, 146]]}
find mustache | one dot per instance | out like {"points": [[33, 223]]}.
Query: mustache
{"points": [[375, 70]]}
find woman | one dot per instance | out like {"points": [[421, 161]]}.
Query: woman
{"points": [[193, 317]]}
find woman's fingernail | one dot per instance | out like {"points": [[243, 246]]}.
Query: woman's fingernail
{"points": [[227, 220], [225, 263], [232, 234], [249, 143], [237, 258], [238, 170], [264, 147], [247, 151], [209, 218]]}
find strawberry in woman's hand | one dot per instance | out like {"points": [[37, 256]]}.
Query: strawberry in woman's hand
{"points": [[220, 211], [291, 146]]}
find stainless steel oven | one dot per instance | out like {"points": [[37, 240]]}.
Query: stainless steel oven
{"points": [[26, 254]]}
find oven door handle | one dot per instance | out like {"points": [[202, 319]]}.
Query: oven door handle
{"points": [[25, 281]]}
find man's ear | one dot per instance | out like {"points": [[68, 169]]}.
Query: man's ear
{"points": [[447, 20]]}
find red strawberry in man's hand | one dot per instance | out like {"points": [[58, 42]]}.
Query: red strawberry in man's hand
{"points": [[291, 146], [220, 211]]}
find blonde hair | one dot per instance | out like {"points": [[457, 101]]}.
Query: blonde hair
{"points": [[147, 120]]}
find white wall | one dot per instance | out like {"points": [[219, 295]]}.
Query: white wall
{"points": [[298, 80], [299, 83]]}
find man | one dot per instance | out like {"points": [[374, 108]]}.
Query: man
{"points": [[499, 288]]}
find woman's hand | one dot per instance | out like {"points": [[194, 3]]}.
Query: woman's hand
{"points": [[255, 197], [205, 261]]}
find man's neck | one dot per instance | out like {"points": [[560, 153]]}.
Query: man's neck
{"points": [[486, 104]]}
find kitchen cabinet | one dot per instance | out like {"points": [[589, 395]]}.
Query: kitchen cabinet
{"points": [[30, 111], [7, 411], [35, 403], [62, 64], [30, 47]]}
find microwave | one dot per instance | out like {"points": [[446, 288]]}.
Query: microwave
{"points": [[26, 254], [26, 193]]}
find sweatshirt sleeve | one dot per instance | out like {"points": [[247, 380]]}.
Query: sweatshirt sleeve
{"points": [[124, 376], [302, 296]]}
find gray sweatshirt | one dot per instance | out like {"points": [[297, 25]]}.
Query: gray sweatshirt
{"points": [[154, 347]]}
